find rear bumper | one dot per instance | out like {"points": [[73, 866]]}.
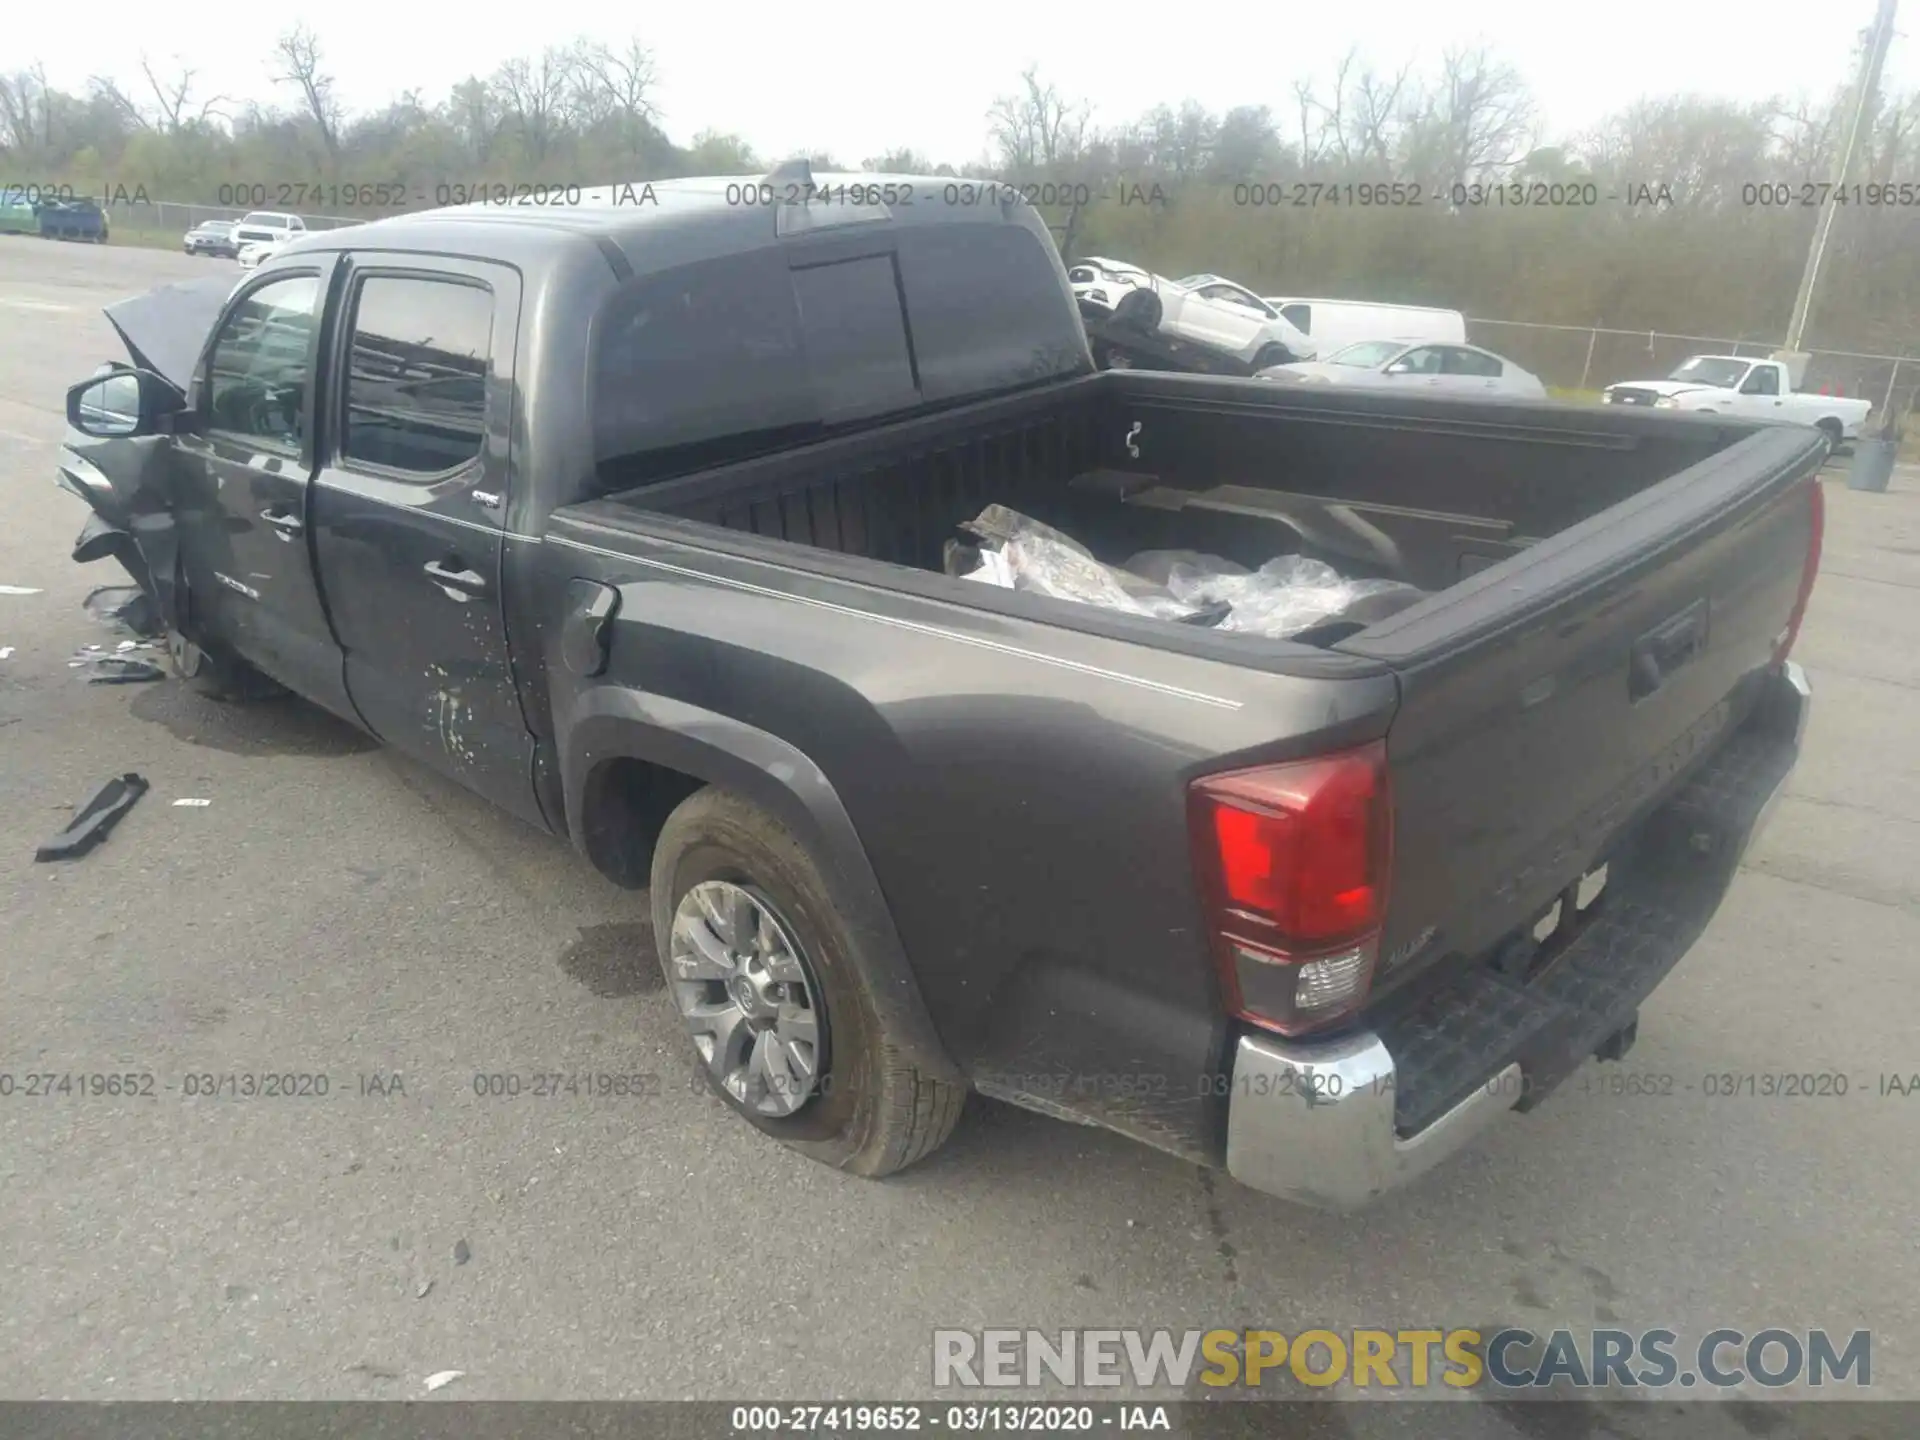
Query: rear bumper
{"points": [[1335, 1124]]}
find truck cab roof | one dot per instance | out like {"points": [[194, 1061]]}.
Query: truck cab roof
{"points": [[656, 225]]}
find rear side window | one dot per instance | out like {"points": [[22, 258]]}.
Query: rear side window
{"points": [[416, 394], [1298, 316], [855, 337], [987, 309], [1471, 362]]}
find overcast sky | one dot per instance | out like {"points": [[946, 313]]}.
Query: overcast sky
{"points": [[843, 76]]}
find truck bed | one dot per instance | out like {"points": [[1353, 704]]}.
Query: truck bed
{"points": [[1606, 590], [1423, 492]]}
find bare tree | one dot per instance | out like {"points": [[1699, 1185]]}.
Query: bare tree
{"points": [[1478, 120], [535, 96], [1036, 128], [109, 93], [472, 112], [173, 97], [25, 111], [1378, 114], [615, 85], [298, 52]]}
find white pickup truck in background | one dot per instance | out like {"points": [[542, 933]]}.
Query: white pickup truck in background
{"points": [[1758, 389]]}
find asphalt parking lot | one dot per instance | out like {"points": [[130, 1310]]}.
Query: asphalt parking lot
{"points": [[335, 910]]}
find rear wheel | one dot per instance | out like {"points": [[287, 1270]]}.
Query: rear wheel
{"points": [[1272, 355], [1833, 430], [760, 967]]}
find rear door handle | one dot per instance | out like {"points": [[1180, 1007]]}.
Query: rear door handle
{"points": [[288, 525], [461, 585]]}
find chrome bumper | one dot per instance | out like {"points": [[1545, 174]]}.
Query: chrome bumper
{"points": [[1313, 1122]]}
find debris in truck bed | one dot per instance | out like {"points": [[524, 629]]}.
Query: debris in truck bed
{"points": [[1028, 555], [1287, 595], [95, 819]]}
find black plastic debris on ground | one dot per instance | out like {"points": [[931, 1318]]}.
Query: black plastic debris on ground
{"points": [[95, 819], [125, 607], [111, 670]]}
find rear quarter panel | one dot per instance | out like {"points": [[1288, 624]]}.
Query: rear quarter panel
{"points": [[1018, 791]]}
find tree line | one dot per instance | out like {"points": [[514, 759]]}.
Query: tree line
{"points": [[1679, 213]]}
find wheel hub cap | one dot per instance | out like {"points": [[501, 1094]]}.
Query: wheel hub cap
{"points": [[747, 994]]}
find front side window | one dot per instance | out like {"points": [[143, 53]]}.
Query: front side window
{"points": [[416, 393], [1763, 381], [1298, 316], [1425, 361], [258, 372]]}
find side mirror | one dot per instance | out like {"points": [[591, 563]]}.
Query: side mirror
{"points": [[124, 404], [1399, 367]]}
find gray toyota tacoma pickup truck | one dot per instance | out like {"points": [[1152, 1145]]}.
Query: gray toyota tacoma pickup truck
{"points": [[636, 517]]}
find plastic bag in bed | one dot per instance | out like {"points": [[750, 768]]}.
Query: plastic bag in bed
{"points": [[1021, 553], [1285, 596]]}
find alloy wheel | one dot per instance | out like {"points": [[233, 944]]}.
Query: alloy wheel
{"points": [[746, 991]]}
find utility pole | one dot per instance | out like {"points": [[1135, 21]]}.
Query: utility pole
{"points": [[1868, 84]]}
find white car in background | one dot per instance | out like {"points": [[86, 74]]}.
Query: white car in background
{"points": [[1212, 311], [266, 228], [1100, 282], [1417, 370]]}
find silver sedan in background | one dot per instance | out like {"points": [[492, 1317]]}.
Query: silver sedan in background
{"points": [[1417, 369]]}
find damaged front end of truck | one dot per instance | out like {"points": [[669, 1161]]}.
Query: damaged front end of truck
{"points": [[117, 453]]}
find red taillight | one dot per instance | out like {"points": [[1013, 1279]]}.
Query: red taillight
{"points": [[1817, 526], [1293, 863]]}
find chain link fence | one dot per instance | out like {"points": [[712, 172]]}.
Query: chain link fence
{"points": [[1591, 357]]}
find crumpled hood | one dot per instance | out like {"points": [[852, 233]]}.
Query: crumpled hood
{"points": [[165, 330]]}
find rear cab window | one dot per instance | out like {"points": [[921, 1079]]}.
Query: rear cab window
{"points": [[730, 357]]}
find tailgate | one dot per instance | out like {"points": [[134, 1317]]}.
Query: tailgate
{"points": [[1549, 701]]}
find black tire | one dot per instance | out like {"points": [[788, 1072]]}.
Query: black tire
{"points": [[871, 1112], [1139, 310], [218, 677], [1272, 355], [1833, 430]]}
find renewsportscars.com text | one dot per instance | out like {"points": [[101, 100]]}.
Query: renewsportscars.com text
{"points": [[1507, 1359]]}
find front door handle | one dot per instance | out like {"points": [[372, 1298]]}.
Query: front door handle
{"points": [[288, 525], [461, 585]]}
